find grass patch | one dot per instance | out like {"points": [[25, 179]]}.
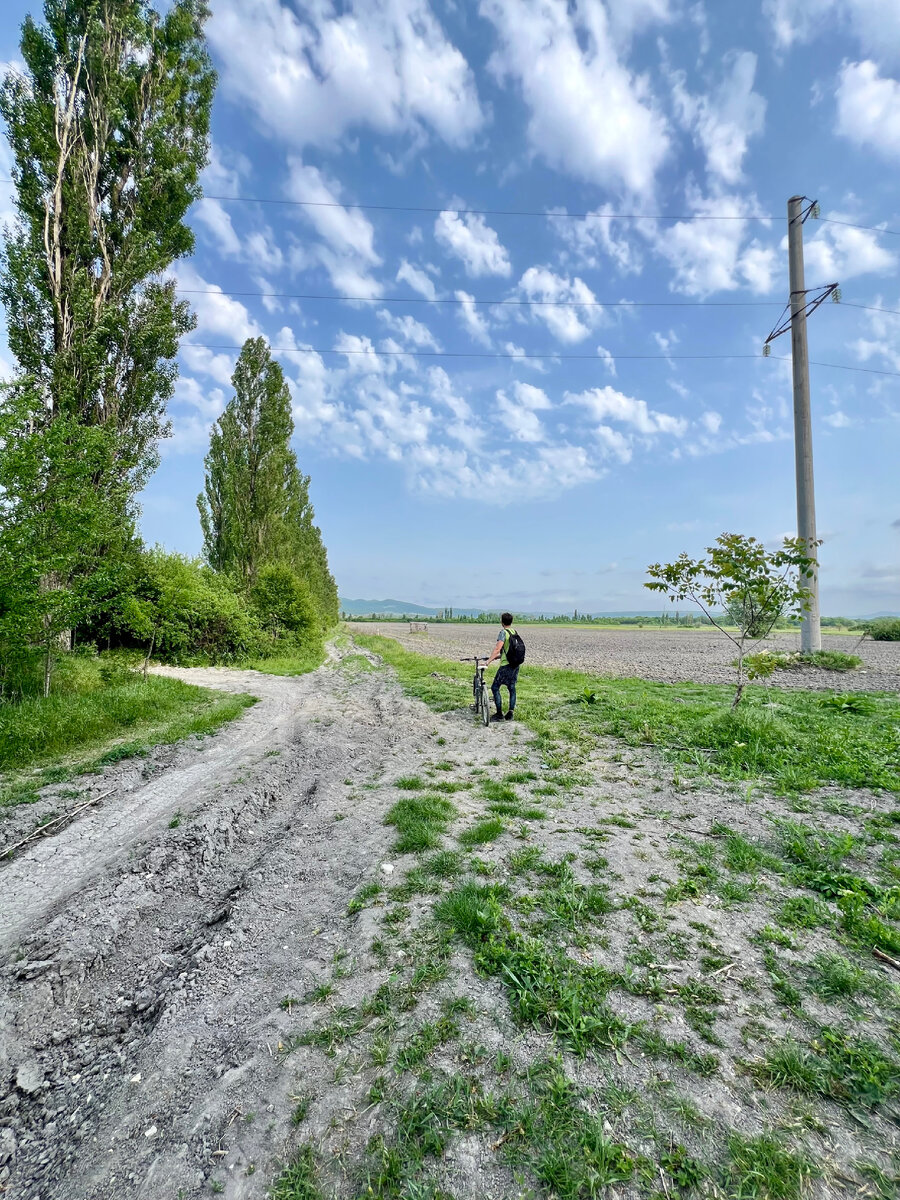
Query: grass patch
{"points": [[836, 1065], [420, 822], [95, 723], [300, 661], [764, 1168], [799, 744], [299, 1180], [482, 831]]}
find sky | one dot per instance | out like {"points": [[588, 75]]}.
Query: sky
{"points": [[392, 186]]}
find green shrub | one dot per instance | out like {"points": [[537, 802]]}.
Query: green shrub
{"points": [[284, 605], [885, 629]]}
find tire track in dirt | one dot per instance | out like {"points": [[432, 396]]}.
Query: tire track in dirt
{"points": [[143, 964]]}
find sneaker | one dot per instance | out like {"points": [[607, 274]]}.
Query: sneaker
{"points": [[498, 717], [509, 716]]}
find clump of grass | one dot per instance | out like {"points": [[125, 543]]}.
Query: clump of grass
{"points": [[409, 783], [804, 912], [445, 864], [764, 1168], [834, 976], [836, 1065], [299, 1180], [483, 831], [366, 893], [420, 822]]}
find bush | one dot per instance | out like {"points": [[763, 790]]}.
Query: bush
{"points": [[885, 629], [762, 665], [284, 606]]}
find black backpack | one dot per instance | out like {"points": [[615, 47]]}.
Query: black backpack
{"points": [[515, 651]]}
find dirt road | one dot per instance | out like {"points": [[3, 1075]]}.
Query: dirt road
{"points": [[146, 947]]}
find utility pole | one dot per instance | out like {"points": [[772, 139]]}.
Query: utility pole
{"points": [[810, 629], [803, 301]]}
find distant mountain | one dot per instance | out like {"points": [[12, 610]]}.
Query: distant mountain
{"points": [[388, 608]]}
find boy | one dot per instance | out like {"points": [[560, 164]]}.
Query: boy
{"points": [[506, 676]]}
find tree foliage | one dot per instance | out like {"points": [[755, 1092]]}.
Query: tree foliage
{"points": [[255, 508], [108, 127], [752, 586]]}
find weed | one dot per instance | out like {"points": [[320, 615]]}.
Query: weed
{"points": [[804, 912], [366, 893], [299, 1178], [446, 864], [410, 783], [301, 1108], [763, 1168]]}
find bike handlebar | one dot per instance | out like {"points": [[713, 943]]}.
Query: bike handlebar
{"points": [[473, 658]]}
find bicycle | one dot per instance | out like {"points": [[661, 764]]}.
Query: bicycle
{"points": [[480, 690]]}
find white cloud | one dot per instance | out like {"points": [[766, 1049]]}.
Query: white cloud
{"points": [[568, 324], [218, 315], [711, 421], [413, 332], [608, 359], [520, 421], [868, 108], [417, 280], [723, 122], [472, 319], [874, 23], [714, 255], [211, 214], [473, 241], [383, 64], [629, 17], [837, 420], [589, 115], [594, 236], [838, 253], [614, 442], [347, 251], [607, 404]]}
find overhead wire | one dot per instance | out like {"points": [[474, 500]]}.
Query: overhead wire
{"points": [[498, 354]]}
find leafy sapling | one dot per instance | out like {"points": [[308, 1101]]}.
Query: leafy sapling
{"points": [[743, 582]]}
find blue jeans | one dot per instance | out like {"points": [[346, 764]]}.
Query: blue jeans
{"points": [[505, 677]]}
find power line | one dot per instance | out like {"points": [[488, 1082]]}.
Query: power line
{"points": [[484, 300], [316, 296], [521, 212], [565, 357]]}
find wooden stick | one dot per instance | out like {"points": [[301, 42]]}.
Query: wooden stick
{"points": [[886, 958], [720, 970], [44, 829]]}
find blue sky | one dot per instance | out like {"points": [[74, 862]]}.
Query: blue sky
{"points": [[549, 483]]}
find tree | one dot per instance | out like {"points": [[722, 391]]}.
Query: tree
{"points": [[109, 132], [285, 605], [255, 508], [741, 579]]}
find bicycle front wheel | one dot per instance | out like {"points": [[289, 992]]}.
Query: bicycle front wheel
{"points": [[485, 705]]}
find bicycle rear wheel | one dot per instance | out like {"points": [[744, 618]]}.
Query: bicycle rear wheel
{"points": [[485, 705]]}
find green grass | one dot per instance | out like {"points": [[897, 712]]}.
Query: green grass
{"points": [[420, 822], [300, 661], [801, 743], [94, 723], [482, 831], [764, 1168], [299, 1179]]}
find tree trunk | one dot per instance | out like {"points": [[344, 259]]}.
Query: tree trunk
{"points": [[740, 683], [149, 652], [48, 668]]}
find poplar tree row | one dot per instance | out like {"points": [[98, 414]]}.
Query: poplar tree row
{"points": [[108, 122]]}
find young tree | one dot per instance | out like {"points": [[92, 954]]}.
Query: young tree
{"points": [[741, 579], [255, 508]]}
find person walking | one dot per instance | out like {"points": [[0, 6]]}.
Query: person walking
{"points": [[510, 649]]}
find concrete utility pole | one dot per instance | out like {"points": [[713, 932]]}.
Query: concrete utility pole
{"points": [[810, 629]]}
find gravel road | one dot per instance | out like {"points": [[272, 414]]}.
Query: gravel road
{"points": [[145, 948], [673, 657]]}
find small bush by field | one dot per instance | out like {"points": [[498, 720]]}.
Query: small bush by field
{"points": [[885, 629]]}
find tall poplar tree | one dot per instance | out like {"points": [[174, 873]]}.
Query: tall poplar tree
{"points": [[108, 126], [255, 509]]}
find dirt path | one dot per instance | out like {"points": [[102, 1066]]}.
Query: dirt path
{"points": [[146, 947]]}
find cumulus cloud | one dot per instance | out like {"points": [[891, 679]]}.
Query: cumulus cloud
{"points": [[607, 404], [413, 332], [723, 122], [382, 64], [569, 324], [347, 249], [715, 255], [417, 279], [598, 238], [837, 252], [472, 319], [874, 23], [589, 115], [868, 108], [473, 242]]}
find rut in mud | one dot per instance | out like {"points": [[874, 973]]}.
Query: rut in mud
{"points": [[146, 947]]}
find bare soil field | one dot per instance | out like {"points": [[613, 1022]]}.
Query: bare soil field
{"points": [[232, 976], [674, 657]]}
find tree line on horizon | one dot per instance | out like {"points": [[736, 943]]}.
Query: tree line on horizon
{"points": [[108, 122]]}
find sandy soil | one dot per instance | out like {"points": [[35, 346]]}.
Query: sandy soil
{"points": [[651, 654]]}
